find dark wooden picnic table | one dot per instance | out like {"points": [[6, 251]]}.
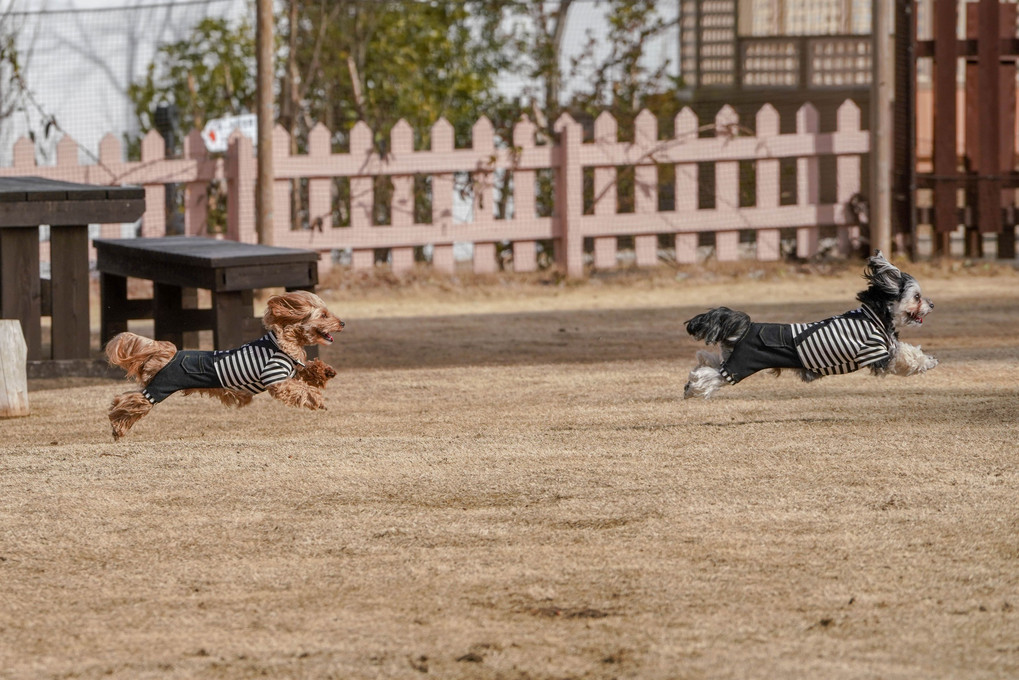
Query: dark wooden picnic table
{"points": [[68, 208], [231, 270]]}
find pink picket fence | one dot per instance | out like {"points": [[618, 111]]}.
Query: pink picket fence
{"points": [[581, 231]]}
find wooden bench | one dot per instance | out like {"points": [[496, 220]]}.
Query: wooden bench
{"points": [[68, 208], [232, 271]]}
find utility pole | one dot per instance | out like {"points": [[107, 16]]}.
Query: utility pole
{"points": [[881, 129], [264, 180]]}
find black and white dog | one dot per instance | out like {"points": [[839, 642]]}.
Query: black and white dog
{"points": [[864, 337]]}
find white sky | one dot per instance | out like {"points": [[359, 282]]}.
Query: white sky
{"points": [[80, 64]]}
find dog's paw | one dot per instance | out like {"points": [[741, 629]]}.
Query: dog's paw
{"points": [[316, 373], [929, 362], [315, 402]]}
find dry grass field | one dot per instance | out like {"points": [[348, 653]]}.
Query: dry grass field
{"points": [[508, 484]]}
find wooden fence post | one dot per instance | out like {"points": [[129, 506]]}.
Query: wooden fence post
{"points": [[769, 190], [240, 177], [362, 194], [196, 193], [808, 181], [944, 80], [402, 206], [570, 197], [727, 187], [606, 200], [483, 142], [525, 253], [687, 187], [154, 221], [13, 371], [442, 198], [320, 192], [281, 224], [848, 171], [645, 197]]}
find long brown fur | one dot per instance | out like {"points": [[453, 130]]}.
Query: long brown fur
{"points": [[297, 319]]}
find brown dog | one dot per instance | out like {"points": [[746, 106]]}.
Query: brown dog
{"points": [[275, 363]]}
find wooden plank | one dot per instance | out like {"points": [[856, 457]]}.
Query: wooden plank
{"points": [[968, 47], [61, 212], [32, 188], [115, 309], [569, 237], [1009, 180], [20, 295], [629, 224], [1006, 151], [292, 274], [769, 190], [201, 265], [231, 309], [525, 256], [78, 368], [184, 323], [167, 320], [727, 149], [369, 238], [203, 252], [136, 266], [69, 281], [645, 246], [945, 123], [989, 116], [189, 301], [904, 126], [808, 182], [45, 297], [606, 200]]}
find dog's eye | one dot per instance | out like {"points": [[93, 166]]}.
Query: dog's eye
{"points": [[917, 297]]}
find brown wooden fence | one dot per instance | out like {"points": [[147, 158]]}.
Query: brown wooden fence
{"points": [[974, 181]]}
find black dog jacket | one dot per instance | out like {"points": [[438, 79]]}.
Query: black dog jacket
{"points": [[248, 368], [834, 346], [764, 345]]}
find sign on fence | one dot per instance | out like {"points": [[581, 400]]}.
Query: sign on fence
{"points": [[217, 131]]}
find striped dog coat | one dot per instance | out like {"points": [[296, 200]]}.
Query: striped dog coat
{"points": [[834, 346], [248, 368]]}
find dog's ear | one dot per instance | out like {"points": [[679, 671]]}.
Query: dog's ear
{"points": [[882, 274], [285, 309]]}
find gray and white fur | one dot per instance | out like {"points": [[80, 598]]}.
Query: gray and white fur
{"points": [[865, 337]]}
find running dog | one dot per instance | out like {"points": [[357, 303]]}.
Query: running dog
{"points": [[864, 337], [275, 363]]}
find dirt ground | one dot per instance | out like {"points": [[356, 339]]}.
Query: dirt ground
{"points": [[508, 484]]}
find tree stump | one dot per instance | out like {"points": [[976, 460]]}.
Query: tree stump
{"points": [[13, 370]]}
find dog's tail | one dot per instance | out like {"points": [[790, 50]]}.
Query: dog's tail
{"points": [[141, 357], [719, 325]]}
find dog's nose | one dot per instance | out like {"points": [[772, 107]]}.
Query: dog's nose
{"points": [[930, 303], [343, 325]]}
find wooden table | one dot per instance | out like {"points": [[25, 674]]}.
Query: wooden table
{"points": [[176, 264], [68, 208]]}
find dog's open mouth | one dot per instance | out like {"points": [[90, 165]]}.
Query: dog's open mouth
{"points": [[916, 318], [328, 338]]}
